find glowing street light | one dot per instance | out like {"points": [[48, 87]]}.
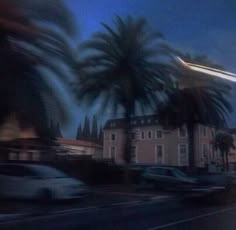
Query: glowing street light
{"points": [[207, 70]]}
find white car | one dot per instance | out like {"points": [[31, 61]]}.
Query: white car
{"points": [[29, 181]]}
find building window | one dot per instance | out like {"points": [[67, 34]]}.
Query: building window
{"points": [[182, 132], [133, 135], [24, 156], [149, 121], [160, 154], [142, 135], [149, 134], [159, 134], [113, 137], [142, 121], [113, 124], [35, 156], [113, 152], [133, 154], [13, 156], [183, 154]]}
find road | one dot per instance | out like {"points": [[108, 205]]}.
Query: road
{"points": [[153, 214]]}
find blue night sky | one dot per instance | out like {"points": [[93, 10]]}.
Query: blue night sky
{"points": [[197, 26]]}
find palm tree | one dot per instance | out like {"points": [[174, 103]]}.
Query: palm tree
{"points": [[123, 71], [224, 141], [33, 46], [192, 106], [198, 99]]}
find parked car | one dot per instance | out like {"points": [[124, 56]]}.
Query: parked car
{"points": [[173, 179], [29, 181]]}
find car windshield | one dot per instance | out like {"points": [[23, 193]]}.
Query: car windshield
{"points": [[179, 173], [48, 172]]}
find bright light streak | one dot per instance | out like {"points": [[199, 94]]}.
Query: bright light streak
{"points": [[210, 71]]}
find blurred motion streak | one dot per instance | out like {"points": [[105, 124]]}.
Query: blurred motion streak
{"points": [[34, 37], [207, 70]]}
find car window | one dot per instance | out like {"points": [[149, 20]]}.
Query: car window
{"points": [[16, 170], [169, 172], [161, 172], [179, 173], [154, 171], [49, 172]]}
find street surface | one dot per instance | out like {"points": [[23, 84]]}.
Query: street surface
{"points": [[122, 211]]}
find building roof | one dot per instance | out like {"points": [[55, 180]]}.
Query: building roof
{"points": [[32, 142], [68, 141], [138, 121]]}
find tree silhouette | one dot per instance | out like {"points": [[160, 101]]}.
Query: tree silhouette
{"points": [[33, 40], [86, 133], [224, 141], [58, 130], [122, 70], [191, 106], [94, 133], [79, 132], [100, 137], [55, 129]]}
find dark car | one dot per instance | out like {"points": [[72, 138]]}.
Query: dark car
{"points": [[173, 179]]}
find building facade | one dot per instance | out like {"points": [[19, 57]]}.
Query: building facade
{"points": [[151, 143]]}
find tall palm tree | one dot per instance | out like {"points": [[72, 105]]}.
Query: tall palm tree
{"points": [[33, 45], [123, 70], [198, 99], [224, 141], [192, 106]]}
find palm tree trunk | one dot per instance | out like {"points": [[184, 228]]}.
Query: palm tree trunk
{"points": [[227, 161], [126, 149], [223, 160], [191, 152]]}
